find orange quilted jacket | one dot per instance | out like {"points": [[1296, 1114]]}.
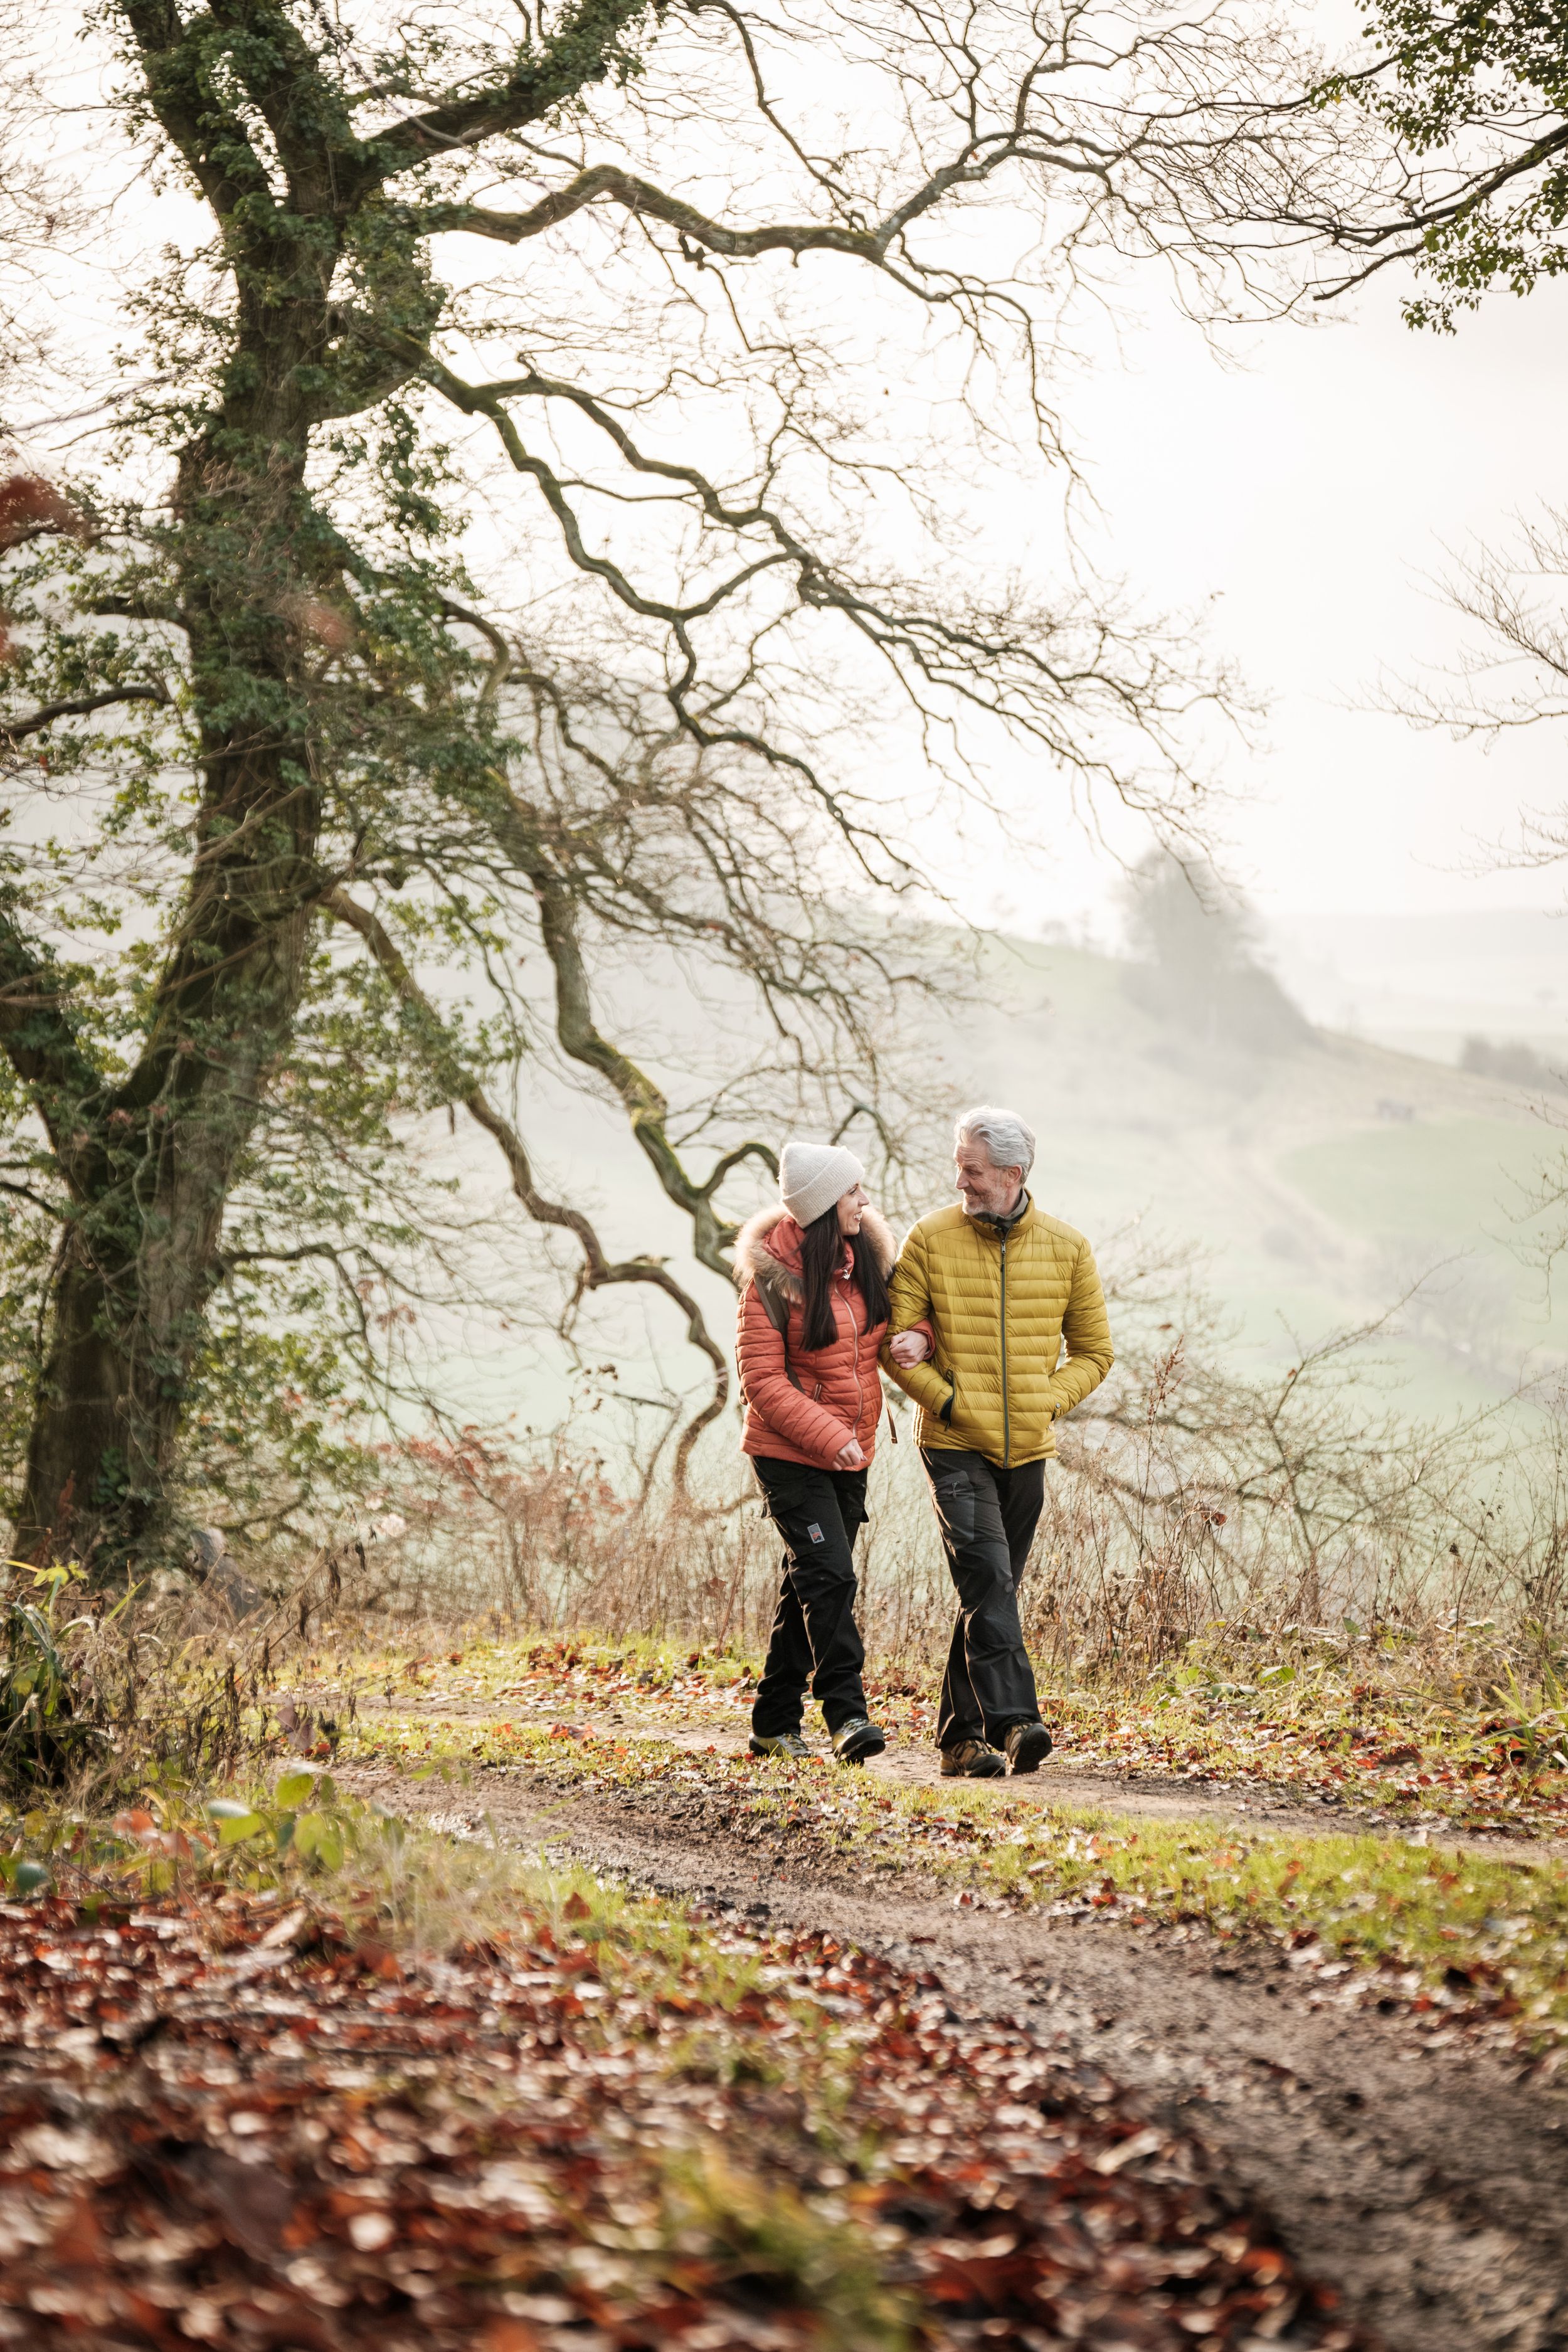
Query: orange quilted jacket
{"points": [[836, 1393]]}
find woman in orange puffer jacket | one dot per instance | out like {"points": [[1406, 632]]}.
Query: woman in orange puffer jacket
{"points": [[814, 1308]]}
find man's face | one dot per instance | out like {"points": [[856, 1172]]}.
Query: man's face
{"points": [[987, 1191]]}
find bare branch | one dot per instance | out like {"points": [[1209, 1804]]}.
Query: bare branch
{"points": [[598, 1272], [77, 706], [581, 1037], [641, 197]]}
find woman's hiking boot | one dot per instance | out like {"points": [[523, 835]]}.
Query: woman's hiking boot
{"points": [[780, 1743], [855, 1740], [1028, 1745], [971, 1760]]}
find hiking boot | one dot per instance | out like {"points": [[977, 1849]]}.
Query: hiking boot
{"points": [[1028, 1745], [855, 1740], [971, 1760], [780, 1743]]}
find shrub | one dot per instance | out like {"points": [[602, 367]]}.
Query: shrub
{"points": [[45, 1733]]}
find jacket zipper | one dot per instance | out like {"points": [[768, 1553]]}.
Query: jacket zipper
{"points": [[857, 1333], [1006, 1428], [855, 1338]]}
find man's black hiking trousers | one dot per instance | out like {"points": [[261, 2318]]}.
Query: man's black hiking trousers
{"points": [[987, 1518], [815, 1639]]}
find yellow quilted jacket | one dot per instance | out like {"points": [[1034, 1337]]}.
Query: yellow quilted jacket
{"points": [[1001, 1307]]}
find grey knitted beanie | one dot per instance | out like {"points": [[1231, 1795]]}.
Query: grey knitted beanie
{"points": [[813, 1176]]}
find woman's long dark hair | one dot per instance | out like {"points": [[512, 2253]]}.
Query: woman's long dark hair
{"points": [[821, 1250]]}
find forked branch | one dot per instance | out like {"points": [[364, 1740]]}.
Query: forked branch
{"points": [[597, 1272], [645, 1107]]}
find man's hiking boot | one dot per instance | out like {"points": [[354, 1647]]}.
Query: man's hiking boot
{"points": [[1028, 1745], [971, 1760], [779, 1743], [854, 1741]]}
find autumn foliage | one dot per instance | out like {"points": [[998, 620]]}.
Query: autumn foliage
{"points": [[29, 506], [226, 2126]]}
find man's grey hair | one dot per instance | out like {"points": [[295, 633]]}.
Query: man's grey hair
{"points": [[1010, 1143]]}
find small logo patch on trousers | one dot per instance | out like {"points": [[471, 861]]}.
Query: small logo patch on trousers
{"points": [[814, 1532]]}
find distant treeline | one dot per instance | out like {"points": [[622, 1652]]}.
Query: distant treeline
{"points": [[1512, 1060], [1196, 945]]}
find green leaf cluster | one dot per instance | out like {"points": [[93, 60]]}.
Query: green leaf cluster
{"points": [[1479, 92], [42, 1735]]}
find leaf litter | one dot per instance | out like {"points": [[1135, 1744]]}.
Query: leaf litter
{"points": [[241, 2119]]}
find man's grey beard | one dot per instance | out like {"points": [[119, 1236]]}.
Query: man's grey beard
{"points": [[1000, 1215]]}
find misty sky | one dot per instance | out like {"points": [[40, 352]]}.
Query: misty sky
{"points": [[1301, 496], [1311, 493]]}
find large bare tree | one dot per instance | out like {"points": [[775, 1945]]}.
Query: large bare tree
{"points": [[561, 467]]}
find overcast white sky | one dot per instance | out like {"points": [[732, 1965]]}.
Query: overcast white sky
{"points": [[1311, 493], [1303, 497]]}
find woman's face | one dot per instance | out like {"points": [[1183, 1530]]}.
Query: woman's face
{"points": [[852, 1207]]}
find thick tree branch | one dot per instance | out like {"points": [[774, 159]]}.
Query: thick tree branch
{"points": [[210, 136], [76, 706], [365, 371], [38, 1200], [598, 1272], [501, 663], [640, 196], [584, 50], [40, 1041], [582, 1038], [304, 109], [1411, 234]]}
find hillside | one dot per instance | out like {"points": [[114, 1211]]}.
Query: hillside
{"points": [[1317, 1184], [1425, 982]]}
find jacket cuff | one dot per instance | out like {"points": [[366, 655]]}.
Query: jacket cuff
{"points": [[922, 1381]]}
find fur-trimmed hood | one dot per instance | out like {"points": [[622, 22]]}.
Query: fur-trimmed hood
{"points": [[767, 1250]]}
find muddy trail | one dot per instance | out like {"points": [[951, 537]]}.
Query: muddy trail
{"points": [[1151, 1796], [1424, 2178], [1063, 1780]]}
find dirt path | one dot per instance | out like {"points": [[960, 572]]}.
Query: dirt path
{"points": [[1429, 2182], [1062, 1779]]}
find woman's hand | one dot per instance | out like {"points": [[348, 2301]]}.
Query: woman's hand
{"points": [[909, 1349], [849, 1457]]}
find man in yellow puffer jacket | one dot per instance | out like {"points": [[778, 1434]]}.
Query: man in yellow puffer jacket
{"points": [[998, 1326]]}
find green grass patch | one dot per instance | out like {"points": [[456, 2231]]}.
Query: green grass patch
{"points": [[1458, 1182], [763, 2236], [481, 1668]]}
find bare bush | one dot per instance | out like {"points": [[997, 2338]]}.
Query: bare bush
{"points": [[1197, 1507], [1193, 1511]]}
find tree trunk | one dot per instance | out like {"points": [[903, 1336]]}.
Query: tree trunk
{"points": [[106, 1418], [129, 1291], [252, 571], [79, 1468], [152, 1161]]}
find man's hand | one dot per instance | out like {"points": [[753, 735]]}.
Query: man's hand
{"points": [[909, 1349], [849, 1457]]}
